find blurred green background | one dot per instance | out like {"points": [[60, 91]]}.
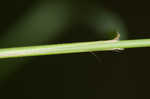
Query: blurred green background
{"points": [[119, 75]]}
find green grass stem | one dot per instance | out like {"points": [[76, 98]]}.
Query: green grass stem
{"points": [[72, 48]]}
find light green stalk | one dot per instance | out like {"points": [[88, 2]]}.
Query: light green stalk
{"points": [[72, 48]]}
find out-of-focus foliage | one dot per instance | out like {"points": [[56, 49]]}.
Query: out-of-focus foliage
{"points": [[42, 22], [106, 23]]}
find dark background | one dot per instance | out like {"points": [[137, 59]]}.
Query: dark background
{"points": [[120, 75]]}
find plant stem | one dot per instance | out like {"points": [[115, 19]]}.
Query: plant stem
{"points": [[72, 48]]}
